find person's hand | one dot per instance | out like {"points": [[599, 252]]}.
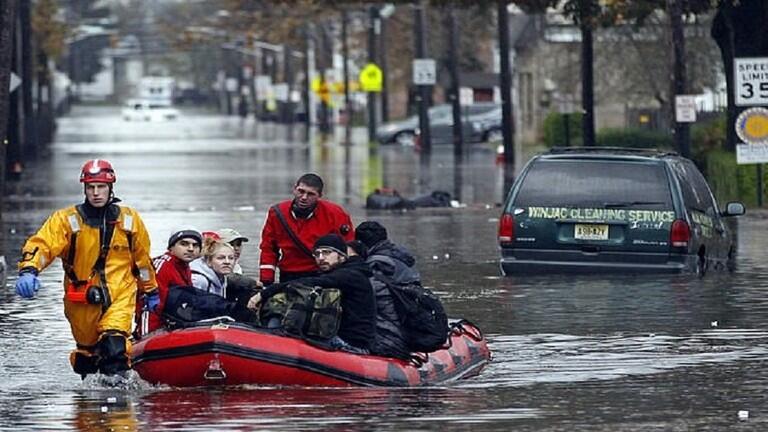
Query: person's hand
{"points": [[27, 285], [259, 284], [152, 300], [253, 303]]}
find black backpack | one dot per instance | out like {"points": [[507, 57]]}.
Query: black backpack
{"points": [[423, 319]]}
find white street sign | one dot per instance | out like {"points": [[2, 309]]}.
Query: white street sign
{"points": [[685, 108], [15, 82], [281, 92], [262, 84], [231, 84], [752, 128], [751, 153], [751, 80], [466, 95], [424, 71]]}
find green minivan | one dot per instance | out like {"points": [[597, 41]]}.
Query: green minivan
{"points": [[600, 209]]}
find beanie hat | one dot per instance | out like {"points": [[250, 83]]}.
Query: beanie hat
{"points": [[184, 233], [370, 233], [359, 247], [331, 241]]}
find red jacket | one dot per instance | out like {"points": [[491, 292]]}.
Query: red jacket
{"points": [[169, 271], [279, 251]]}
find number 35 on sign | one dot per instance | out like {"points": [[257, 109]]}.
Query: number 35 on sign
{"points": [[751, 79]]}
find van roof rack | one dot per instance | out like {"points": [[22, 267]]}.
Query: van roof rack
{"points": [[613, 150]]}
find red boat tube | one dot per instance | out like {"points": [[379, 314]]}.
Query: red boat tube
{"points": [[228, 353]]}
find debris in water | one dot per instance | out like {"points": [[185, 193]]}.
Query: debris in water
{"points": [[713, 323], [435, 257], [743, 414], [104, 409]]}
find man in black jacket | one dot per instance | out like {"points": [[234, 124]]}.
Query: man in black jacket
{"points": [[390, 264], [374, 236], [350, 275]]}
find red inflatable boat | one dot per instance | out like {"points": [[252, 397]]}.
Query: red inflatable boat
{"points": [[228, 353]]}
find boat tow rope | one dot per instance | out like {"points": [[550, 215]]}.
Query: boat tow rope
{"points": [[460, 327], [463, 326]]}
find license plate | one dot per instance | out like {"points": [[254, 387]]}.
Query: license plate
{"points": [[590, 232]]}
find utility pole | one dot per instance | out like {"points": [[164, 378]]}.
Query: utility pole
{"points": [[505, 83], [25, 27], [306, 91], [7, 20], [345, 56], [288, 77], [324, 58], [587, 75], [14, 144], [424, 91], [373, 24], [453, 66], [680, 79], [383, 57]]}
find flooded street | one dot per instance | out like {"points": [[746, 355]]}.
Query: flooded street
{"points": [[570, 353]]}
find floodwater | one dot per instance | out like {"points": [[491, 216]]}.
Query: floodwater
{"points": [[570, 353]]}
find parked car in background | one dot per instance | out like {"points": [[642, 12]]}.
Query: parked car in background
{"points": [[404, 131], [143, 110], [480, 123], [613, 209]]}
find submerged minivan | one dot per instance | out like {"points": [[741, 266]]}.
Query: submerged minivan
{"points": [[600, 209]]}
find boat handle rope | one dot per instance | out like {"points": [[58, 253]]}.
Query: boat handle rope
{"points": [[419, 359], [460, 327]]}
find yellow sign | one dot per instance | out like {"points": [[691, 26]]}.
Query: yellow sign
{"points": [[324, 92], [371, 78]]}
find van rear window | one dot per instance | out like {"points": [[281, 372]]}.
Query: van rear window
{"points": [[595, 183]]}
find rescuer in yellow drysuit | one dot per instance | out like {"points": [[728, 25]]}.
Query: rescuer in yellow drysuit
{"points": [[104, 249]]}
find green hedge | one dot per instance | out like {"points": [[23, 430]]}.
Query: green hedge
{"points": [[732, 182], [634, 138], [554, 130], [554, 134], [707, 137]]}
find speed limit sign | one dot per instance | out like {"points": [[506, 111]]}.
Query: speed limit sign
{"points": [[751, 79]]}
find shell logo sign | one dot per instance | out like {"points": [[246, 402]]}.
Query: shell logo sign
{"points": [[752, 128]]}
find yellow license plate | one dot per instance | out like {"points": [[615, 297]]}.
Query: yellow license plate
{"points": [[590, 232]]}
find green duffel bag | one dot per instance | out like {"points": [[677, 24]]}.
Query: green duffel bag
{"points": [[305, 311]]}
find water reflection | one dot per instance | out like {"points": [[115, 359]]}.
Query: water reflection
{"points": [[312, 409]]}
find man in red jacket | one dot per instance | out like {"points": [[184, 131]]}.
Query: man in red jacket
{"points": [[172, 269], [292, 228]]}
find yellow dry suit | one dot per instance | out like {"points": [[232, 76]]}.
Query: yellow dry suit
{"points": [[105, 259]]}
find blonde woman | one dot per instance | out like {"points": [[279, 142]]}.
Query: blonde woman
{"points": [[210, 271]]}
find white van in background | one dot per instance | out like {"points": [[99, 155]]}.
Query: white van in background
{"points": [[144, 110]]}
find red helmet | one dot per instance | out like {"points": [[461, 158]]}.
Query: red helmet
{"points": [[97, 171]]}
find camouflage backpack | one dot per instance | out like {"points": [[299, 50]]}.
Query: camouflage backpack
{"points": [[305, 311]]}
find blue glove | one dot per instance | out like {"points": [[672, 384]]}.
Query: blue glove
{"points": [[152, 300], [27, 285]]}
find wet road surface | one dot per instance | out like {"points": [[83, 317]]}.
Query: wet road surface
{"points": [[570, 353]]}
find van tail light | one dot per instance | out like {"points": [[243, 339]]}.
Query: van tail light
{"points": [[506, 228], [680, 233]]}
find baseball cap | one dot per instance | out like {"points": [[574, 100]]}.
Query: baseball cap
{"points": [[229, 235]]}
